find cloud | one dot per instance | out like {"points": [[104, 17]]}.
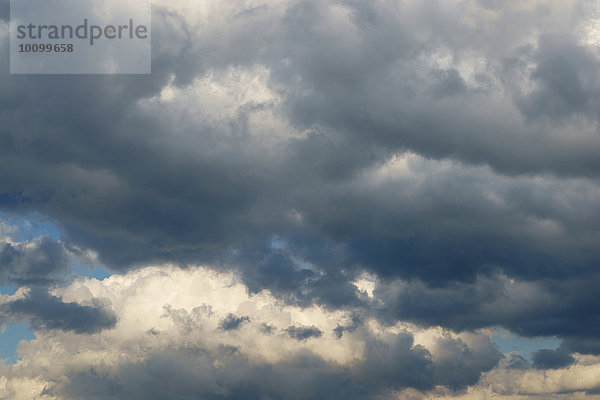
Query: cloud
{"points": [[284, 140], [45, 311], [516, 361], [527, 308], [39, 262], [567, 79], [574, 380], [552, 359], [303, 332], [231, 322], [303, 145], [185, 316], [356, 323]]}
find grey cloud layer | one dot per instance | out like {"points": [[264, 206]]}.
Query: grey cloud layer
{"points": [[303, 377], [451, 148]]}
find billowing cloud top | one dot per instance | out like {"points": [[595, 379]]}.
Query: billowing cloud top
{"points": [[373, 188]]}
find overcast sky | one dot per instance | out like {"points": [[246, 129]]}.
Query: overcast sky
{"points": [[310, 199]]}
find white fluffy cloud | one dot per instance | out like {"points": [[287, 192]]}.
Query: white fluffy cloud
{"points": [[166, 309], [172, 318]]}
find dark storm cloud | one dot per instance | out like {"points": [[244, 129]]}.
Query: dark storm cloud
{"points": [[548, 308], [398, 364], [552, 359], [501, 180], [459, 365], [40, 263], [302, 272], [568, 78], [103, 196], [45, 311], [100, 183], [582, 342], [375, 95], [232, 322]]}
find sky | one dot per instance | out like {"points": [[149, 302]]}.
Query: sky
{"points": [[332, 199]]}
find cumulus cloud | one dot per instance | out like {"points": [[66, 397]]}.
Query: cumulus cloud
{"points": [[183, 327]]}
